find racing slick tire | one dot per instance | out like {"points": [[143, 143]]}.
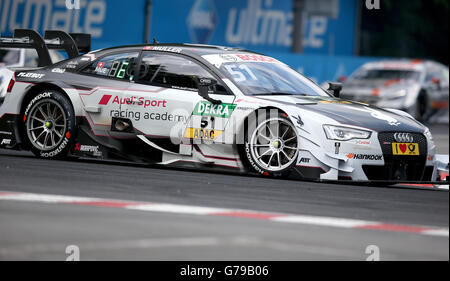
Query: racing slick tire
{"points": [[50, 124], [422, 107], [270, 145]]}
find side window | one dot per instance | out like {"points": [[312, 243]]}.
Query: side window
{"points": [[173, 71], [442, 74], [432, 72], [445, 75], [31, 58], [119, 66]]}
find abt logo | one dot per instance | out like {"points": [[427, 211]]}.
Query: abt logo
{"points": [[6, 142], [373, 4]]}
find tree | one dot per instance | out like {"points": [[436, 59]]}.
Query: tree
{"points": [[406, 28]]}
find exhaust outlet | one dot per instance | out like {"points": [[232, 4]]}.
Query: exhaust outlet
{"points": [[122, 125]]}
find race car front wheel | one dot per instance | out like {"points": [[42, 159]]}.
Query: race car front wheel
{"points": [[271, 148], [49, 124], [422, 107]]}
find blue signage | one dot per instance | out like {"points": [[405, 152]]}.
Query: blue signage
{"points": [[261, 25], [321, 68], [202, 21], [109, 22]]}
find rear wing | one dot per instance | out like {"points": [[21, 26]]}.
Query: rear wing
{"points": [[72, 43]]}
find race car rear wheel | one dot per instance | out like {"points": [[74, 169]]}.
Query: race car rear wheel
{"points": [[272, 147], [49, 124]]}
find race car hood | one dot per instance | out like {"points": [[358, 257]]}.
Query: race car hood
{"points": [[383, 86], [352, 113]]}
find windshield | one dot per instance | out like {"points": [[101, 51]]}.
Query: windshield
{"points": [[9, 56], [386, 74], [261, 75]]}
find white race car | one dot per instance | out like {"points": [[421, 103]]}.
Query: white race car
{"points": [[13, 58], [209, 107], [418, 87]]}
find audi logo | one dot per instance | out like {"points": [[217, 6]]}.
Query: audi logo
{"points": [[403, 137]]}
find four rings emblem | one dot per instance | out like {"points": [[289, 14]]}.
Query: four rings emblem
{"points": [[403, 137]]}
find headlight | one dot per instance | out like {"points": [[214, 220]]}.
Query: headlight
{"points": [[344, 133]]}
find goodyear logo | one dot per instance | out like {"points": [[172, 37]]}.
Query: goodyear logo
{"points": [[202, 134], [223, 110]]}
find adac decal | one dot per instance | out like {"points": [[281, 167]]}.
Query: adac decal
{"points": [[223, 110], [202, 134], [365, 156]]}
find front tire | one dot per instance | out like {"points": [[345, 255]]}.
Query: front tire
{"points": [[50, 124], [422, 107], [271, 147]]}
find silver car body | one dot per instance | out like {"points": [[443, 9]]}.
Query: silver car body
{"points": [[18, 58], [400, 84]]}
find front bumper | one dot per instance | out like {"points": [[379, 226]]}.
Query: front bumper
{"points": [[396, 167], [371, 160]]}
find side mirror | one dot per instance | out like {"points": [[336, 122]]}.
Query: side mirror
{"points": [[436, 81], [342, 78], [336, 88], [204, 89]]}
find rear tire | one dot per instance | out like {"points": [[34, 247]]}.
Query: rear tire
{"points": [[50, 124]]}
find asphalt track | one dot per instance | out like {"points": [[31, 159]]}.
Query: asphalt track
{"points": [[40, 231]]}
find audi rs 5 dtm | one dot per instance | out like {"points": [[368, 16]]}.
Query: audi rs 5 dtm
{"points": [[207, 107]]}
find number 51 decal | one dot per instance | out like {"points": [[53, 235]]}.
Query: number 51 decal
{"points": [[239, 76]]}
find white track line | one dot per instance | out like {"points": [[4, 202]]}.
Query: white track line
{"points": [[224, 212]]}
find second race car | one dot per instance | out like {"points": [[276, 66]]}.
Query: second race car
{"points": [[419, 87]]}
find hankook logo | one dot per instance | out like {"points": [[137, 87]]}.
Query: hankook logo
{"points": [[364, 156], [403, 137]]}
